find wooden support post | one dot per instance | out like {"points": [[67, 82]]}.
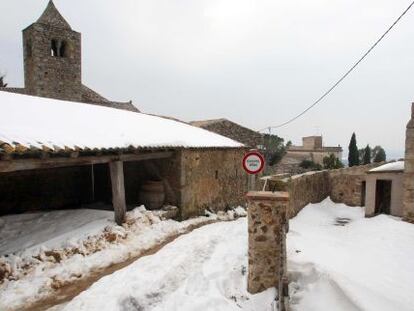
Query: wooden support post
{"points": [[118, 190]]}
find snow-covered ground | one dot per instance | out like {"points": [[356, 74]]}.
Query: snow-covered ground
{"points": [[41, 252], [338, 260], [204, 270]]}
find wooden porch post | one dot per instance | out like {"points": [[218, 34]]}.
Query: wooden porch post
{"points": [[116, 169]]}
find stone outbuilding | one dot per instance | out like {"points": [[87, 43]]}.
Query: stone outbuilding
{"points": [[384, 190], [52, 59], [58, 154]]}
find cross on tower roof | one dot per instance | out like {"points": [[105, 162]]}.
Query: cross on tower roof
{"points": [[51, 16]]}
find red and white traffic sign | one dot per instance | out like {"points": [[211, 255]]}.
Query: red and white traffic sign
{"points": [[253, 162]]}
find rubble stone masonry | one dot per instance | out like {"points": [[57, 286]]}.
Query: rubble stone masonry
{"points": [[342, 186], [266, 226], [211, 179], [408, 199]]}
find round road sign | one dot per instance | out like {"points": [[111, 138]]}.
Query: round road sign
{"points": [[253, 162]]}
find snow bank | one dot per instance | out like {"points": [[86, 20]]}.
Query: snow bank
{"points": [[36, 121], [390, 167], [339, 260]]}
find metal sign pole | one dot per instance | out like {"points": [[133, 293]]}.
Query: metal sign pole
{"points": [[252, 182]]}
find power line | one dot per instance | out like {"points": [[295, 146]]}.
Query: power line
{"points": [[344, 76]]}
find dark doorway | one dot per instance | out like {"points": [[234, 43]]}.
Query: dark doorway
{"points": [[363, 192], [383, 197]]}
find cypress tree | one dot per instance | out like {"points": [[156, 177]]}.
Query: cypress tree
{"points": [[353, 154], [367, 155]]}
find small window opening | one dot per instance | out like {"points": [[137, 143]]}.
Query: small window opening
{"points": [[53, 48], [58, 48], [62, 50], [216, 174]]}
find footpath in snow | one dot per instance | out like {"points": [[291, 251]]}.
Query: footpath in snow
{"points": [[204, 270], [41, 253]]}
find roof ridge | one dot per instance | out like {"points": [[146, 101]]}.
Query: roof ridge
{"points": [[51, 16]]}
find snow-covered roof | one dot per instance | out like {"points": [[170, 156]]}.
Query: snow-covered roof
{"points": [[389, 167], [44, 123]]}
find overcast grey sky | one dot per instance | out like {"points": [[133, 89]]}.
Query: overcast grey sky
{"points": [[256, 62]]}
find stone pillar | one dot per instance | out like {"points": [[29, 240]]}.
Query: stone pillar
{"points": [[408, 203], [267, 223]]}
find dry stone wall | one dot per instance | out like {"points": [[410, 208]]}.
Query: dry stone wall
{"points": [[307, 188], [342, 186]]}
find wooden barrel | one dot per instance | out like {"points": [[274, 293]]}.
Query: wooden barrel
{"points": [[152, 194]]}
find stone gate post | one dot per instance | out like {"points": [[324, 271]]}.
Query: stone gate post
{"points": [[267, 225]]}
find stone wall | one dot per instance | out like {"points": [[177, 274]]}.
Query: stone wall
{"points": [[307, 188], [342, 186], [211, 179], [347, 184], [408, 201]]}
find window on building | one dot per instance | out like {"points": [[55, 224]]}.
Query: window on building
{"points": [[53, 48], [62, 49], [58, 48]]}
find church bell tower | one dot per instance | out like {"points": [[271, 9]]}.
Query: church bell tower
{"points": [[52, 57]]}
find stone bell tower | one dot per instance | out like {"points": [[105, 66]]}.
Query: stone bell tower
{"points": [[52, 57]]}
